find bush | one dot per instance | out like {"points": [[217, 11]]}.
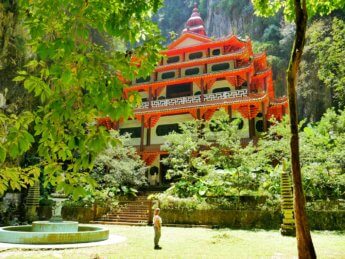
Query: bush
{"points": [[118, 171]]}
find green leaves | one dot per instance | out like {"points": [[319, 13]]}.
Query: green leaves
{"points": [[15, 138], [78, 69], [38, 87], [270, 7], [329, 56], [2, 154], [17, 177]]}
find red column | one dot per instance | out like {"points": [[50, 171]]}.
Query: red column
{"points": [[263, 111], [230, 112], [148, 137], [251, 124], [142, 132], [202, 89], [248, 82], [150, 97], [265, 84]]}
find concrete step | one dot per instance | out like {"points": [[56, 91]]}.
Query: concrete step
{"points": [[131, 212], [135, 206], [125, 220], [128, 214], [127, 217], [136, 201], [119, 223]]}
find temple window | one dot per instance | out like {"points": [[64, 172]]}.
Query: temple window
{"points": [[220, 90], [197, 93], [179, 90], [195, 55], [259, 126], [168, 75], [240, 124], [163, 130], [192, 71], [143, 79], [173, 59], [219, 67], [215, 52], [154, 170], [135, 132]]}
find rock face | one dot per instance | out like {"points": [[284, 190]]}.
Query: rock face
{"points": [[221, 17], [229, 18], [218, 23]]}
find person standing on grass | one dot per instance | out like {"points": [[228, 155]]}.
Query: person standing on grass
{"points": [[157, 225]]}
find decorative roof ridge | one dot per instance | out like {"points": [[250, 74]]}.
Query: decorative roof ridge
{"points": [[195, 23]]}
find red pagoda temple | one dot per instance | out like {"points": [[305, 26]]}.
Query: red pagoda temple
{"points": [[198, 77]]}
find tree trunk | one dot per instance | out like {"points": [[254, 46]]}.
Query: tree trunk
{"points": [[304, 241]]}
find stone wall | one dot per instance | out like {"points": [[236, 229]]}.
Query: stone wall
{"points": [[249, 219], [326, 220], [245, 219], [80, 214]]}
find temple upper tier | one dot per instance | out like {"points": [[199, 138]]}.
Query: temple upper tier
{"points": [[199, 73]]}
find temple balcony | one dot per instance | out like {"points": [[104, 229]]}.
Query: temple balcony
{"points": [[211, 100]]}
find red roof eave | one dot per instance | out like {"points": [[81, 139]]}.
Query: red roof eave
{"points": [[202, 46]]}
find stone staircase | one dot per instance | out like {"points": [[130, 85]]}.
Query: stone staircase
{"points": [[134, 212], [288, 226]]}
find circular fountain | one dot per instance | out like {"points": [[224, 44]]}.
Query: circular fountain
{"points": [[54, 231]]}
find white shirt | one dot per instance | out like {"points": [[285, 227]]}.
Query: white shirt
{"points": [[156, 219]]}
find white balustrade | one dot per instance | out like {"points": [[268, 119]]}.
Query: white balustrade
{"points": [[195, 99]]}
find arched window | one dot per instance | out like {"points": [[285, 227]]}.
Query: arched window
{"points": [[135, 132], [259, 126], [154, 170], [215, 52], [173, 59], [163, 130], [195, 55], [240, 124], [219, 67], [220, 90], [168, 75], [192, 71], [143, 79]]}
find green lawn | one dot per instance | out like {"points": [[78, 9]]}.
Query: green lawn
{"points": [[196, 243]]}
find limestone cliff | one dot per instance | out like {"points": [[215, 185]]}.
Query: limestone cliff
{"points": [[224, 17]]}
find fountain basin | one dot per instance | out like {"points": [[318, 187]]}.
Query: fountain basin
{"points": [[49, 226], [26, 235]]}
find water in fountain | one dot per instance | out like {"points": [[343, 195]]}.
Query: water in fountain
{"points": [[54, 231]]}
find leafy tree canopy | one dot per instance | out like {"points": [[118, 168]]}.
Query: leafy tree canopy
{"points": [[270, 7], [84, 53]]}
